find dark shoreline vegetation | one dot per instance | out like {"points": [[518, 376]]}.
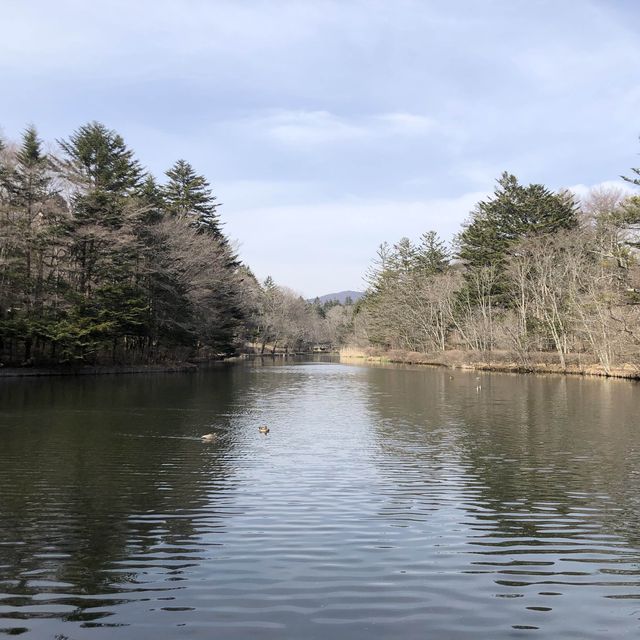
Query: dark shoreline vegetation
{"points": [[165, 367], [104, 269], [100, 265]]}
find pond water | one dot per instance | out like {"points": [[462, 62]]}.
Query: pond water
{"points": [[385, 502]]}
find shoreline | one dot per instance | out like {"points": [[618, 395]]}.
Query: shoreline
{"points": [[500, 362], [174, 367], [96, 370]]}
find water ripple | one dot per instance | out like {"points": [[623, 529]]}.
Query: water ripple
{"points": [[385, 502]]}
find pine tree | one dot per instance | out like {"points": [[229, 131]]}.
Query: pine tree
{"points": [[32, 177], [188, 194], [108, 272], [106, 179], [432, 255], [105, 240], [514, 211], [403, 256], [99, 158], [31, 204], [379, 272], [152, 200]]}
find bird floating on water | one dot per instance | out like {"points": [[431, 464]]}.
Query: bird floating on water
{"points": [[263, 429], [209, 437]]}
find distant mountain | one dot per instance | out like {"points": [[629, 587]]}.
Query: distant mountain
{"points": [[341, 296]]}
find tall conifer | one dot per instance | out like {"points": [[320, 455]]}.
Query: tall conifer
{"points": [[188, 194], [513, 212]]}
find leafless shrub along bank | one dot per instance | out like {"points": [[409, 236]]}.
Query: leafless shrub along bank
{"points": [[532, 272]]}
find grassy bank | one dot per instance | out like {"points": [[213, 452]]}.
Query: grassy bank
{"points": [[542, 362]]}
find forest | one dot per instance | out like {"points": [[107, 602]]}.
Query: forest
{"points": [[102, 263], [533, 276]]}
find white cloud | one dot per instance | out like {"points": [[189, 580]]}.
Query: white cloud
{"points": [[247, 194], [311, 128], [582, 190], [322, 246], [408, 123], [308, 114]]}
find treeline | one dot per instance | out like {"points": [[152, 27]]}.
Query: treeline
{"points": [[532, 272], [99, 262], [285, 322]]}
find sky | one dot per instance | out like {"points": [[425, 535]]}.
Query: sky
{"points": [[326, 127]]}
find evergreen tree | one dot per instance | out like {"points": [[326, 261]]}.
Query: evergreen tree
{"points": [[403, 257], [26, 181], [32, 177], [106, 178], [515, 211], [152, 200], [32, 234], [432, 255], [379, 272], [27, 185], [108, 273], [98, 158], [188, 194], [104, 173], [106, 246], [497, 224]]}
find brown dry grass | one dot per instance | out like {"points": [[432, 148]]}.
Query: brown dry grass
{"points": [[542, 362]]}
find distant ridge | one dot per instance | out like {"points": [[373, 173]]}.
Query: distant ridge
{"points": [[340, 296]]}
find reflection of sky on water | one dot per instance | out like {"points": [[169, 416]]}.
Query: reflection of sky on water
{"points": [[383, 499]]}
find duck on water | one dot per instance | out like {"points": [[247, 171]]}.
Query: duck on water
{"points": [[212, 437]]}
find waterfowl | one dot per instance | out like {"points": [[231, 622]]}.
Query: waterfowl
{"points": [[208, 437], [263, 429]]}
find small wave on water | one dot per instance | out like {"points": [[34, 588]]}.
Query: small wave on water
{"points": [[385, 503]]}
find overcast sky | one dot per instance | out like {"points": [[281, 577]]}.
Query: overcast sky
{"points": [[326, 127]]}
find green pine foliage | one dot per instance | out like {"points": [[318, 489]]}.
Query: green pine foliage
{"points": [[99, 157], [432, 255], [514, 212], [101, 264], [535, 276], [188, 195], [497, 224], [394, 283]]}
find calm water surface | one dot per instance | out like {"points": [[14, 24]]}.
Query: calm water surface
{"points": [[385, 503]]}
